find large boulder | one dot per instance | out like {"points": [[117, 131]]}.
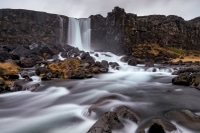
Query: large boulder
{"points": [[156, 125], [185, 118], [127, 113], [182, 79], [106, 124]]}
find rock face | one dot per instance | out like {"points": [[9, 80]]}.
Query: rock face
{"points": [[120, 32], [27, 27]]}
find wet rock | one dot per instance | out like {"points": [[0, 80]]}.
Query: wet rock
{"points": [[132, 62], [44, 73], [124, 59], [191, 69], [72, 68], [48, 52], [156, 128], [156, 125], [182, 79], [27, 62], [32, 87], [105, 64], [127, 113], [4, 55], [194, 79], [41, 71], [96, 106], [106, 124], [33, 46], [12, 76], [17, 86], [114, 65], [20, 51], [85, 56], [185, 118], [149, 64], [25, 75]]}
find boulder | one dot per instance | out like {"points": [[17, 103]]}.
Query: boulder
{"points": [[156, 125], [114, 65], [127, 113], [20, 51], [4, 55], [106, 124], [27, 62], [185, 118], [132, 62], [182, 79]]}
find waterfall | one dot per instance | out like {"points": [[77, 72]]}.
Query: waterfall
{"points": [[79, 33]]}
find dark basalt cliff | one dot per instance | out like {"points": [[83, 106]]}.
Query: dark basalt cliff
{"points": [[119, 32], [26, 27]]}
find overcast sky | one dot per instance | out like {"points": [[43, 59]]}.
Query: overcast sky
{"points": [[187, 9]]}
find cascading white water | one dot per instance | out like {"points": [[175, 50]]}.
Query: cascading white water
{"points": [[79, 33]]}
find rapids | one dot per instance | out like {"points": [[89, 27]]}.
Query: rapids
{"points": [[61, 106]]}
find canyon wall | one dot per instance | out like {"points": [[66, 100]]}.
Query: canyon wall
{"points": [[25, 27], [119, 32]]}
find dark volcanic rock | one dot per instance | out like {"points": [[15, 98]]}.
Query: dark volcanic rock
{"points": [[156, 125], [106, 124], [4, 55], [188, 76], [132, 62], [127, 113], [186, 118], [182, 79], [27, 62], [20, 51], [118, 32]]}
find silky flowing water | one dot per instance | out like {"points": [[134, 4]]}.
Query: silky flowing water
{"points": [[61, 106]]}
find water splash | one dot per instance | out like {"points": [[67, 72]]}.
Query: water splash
{"points": [[79, 33]]}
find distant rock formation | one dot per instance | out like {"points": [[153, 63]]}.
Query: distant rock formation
{"points": [[119, 32], [27, 27]]}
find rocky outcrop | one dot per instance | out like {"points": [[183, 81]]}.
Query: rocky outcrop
{"points": [[185, 118], [121, 32], [118, 32], [188, 76], [27, 27]]}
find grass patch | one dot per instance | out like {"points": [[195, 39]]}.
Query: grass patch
{"points": [[177, 51]]}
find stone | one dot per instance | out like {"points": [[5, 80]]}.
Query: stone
{"points": [[108, 122], [114, 65], [156, 125], [27, 62], [127, 113], [181, 79], [132, 62], [185, 118], [4, 55], [20, 51]]}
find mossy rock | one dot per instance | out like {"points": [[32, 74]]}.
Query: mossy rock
{"points": [[9, 69]]}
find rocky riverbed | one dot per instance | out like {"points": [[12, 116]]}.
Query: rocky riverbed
{"points": [[48, 86], [111, 97]]}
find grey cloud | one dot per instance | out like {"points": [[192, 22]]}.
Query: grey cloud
{"points": [[83, 8]]}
